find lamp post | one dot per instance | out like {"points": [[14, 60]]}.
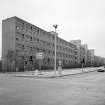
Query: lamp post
{"points": [[83, 62], [55, 26]]}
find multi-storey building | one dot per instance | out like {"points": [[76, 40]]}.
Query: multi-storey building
{"points": [[22, 41], [85, 52], [92, 56], [99, 61], [25, 40], [81, 52], [78, 44]]}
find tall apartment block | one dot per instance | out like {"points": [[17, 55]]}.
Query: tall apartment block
{"points": [[99, 60], [84, 53], [80, 50], [21, 41]]}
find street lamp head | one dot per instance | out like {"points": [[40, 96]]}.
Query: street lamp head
{"points": [[55, 26]]}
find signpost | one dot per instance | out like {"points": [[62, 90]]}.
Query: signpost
{"points": [[60, 67], [82, 63], [55, 26], [40, 57]]}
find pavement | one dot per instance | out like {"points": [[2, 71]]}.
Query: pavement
{"points": [[52, 74], [82, 89]]}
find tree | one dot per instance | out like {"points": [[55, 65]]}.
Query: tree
{"points": [[0, 65], [10, 60], [83, 61]]}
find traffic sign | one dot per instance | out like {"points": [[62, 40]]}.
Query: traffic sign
{"points": [[39, 55], [60, 62]]}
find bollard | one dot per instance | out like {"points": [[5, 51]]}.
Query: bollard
{"points": [[60, 71], [36, 72]]}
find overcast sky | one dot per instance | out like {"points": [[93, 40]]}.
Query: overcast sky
{"points": [[77, 19]]}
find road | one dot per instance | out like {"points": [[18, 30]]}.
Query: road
{"points": [[81, 89]]}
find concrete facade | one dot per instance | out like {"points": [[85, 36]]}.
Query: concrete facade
{"points": [[92, 56], [85, 52], [22, 41], [78, 44], [98, 60], [82, 50], [8, 38], [26, 40]]}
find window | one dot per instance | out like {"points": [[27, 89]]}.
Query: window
{"points": [[17, 27], [37, 40], [22, 35], [25, 62], [37, 49], [22, 26], [30, 58], [37, 31], [48, 51], [23, 46], [31, 28], [17, 39], [31, 48], [48, 59], [31, 38], [17, 50]]}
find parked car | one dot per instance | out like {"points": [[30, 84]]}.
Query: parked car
{"points": [[101, 70]]}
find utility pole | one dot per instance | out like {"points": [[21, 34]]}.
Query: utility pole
{"points": [[55, 26]]}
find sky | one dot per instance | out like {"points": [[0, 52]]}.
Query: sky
{"points": [[76, 19]]}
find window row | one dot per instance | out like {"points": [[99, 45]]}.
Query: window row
{"points": [[21, 25]]}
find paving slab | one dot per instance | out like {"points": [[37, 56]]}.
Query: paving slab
{"points": [[51, 74]]}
